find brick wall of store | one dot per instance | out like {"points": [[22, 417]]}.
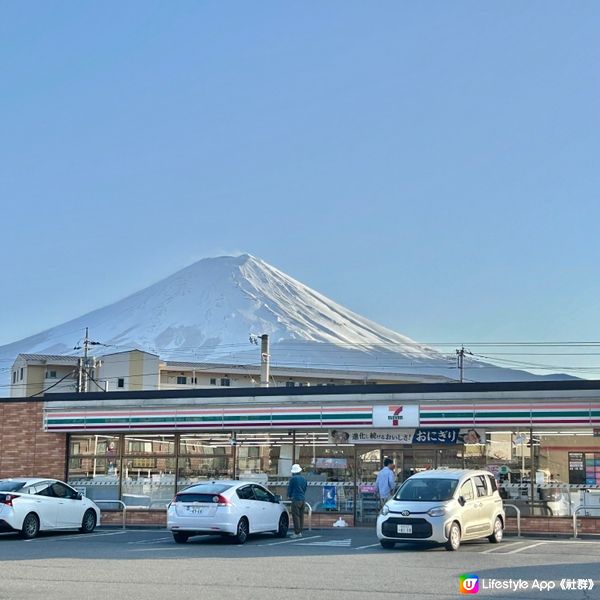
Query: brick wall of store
{"points": [[158, 518], [25, 448], [553, 525]]}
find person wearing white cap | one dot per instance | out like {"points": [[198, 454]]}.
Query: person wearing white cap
{"points": [[297, 493]]}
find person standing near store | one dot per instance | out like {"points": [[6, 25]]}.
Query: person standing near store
{"points": [[386, 481], [297, 494]]}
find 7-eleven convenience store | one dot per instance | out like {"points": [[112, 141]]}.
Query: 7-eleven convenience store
{"points": [[540, 439]]}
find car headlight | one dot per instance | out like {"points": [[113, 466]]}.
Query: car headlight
{"points": [[385, 510], [438, 511]]}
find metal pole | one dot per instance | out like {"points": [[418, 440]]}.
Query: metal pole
{"points": [[121, 442], [85, 361], [234, 453], [355, 489], [264, 360], [461, 355], [79, 375], [177, 438], [532, 469]]}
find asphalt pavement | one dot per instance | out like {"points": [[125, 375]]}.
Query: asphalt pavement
{"points": [[329, 564]]}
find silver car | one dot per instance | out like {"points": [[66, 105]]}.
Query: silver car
{"points": [[445, 506]]}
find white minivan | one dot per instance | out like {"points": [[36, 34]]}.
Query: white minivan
{"points": [[446, 506]]}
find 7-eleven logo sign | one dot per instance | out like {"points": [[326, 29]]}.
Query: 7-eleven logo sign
{"points": [[396, 415]]}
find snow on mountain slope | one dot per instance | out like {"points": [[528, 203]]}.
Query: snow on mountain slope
{"points": [[207, 311]]}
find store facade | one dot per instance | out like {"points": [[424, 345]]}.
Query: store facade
{"points": [[541, 440]]}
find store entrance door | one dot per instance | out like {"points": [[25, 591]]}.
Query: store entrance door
{"points": [[369, 461], [414, 461]]}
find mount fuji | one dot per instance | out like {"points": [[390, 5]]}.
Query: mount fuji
{"points": [[207, 311]]}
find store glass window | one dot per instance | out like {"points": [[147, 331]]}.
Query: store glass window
{"points": [[94, 466], [149, 444], [204, 456], [264, 457], [148, 481], [546, 472], [329, 470]]}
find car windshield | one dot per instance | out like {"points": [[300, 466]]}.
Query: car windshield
{"points": [[427, 490], [8, 485]]}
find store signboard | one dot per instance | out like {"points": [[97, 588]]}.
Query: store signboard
{"points": [[436, 435], [374, 436], [396, 416], [329, 497], [576, 468]]}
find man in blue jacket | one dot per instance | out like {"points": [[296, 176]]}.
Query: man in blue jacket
{"points": [[386, 481], [297, 493]]}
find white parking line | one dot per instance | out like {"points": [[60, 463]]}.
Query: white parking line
{"points": [[180, 547], [302, 539], [369, 546], [334, 543], [524, 548], [77, 536], [155, 541], [500, 547], [597, 542]]}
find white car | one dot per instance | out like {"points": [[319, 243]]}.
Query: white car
{"points": [[445, 506], [229, 508], [30, 505]]}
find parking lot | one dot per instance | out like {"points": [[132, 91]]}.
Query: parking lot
{"points": [[324, 564]]}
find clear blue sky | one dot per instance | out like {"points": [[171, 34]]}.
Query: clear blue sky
{"points": [[430, 165]]}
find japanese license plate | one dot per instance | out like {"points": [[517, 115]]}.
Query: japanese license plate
{"points": [[404, 528], [195, 510]]}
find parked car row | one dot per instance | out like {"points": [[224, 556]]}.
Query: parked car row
{"points": [[446, 506]]}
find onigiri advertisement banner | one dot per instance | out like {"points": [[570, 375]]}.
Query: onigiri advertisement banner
{"points": [[437, 435]]}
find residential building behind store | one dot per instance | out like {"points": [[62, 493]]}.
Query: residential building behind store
{"points": [[136, 370]]}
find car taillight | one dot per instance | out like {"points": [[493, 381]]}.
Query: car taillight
{"points": [[220, 499], [7, 499]]}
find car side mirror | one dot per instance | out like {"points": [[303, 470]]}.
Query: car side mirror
{"points": [[277, 499], [79, 496], [461, 500]]}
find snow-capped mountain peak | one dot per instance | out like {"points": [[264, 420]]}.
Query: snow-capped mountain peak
{"points": [[208, 310]]}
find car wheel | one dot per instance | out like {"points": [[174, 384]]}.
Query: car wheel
{"points": [[180, 538], [453, 542], [89, 521], [387, 544], [496, 537], [31, 526], [284, 524], [243, 529]]}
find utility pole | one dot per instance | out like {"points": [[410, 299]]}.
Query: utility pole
{"points": [[264, 357], [264, 360], [460, 355], [84, 363]]}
